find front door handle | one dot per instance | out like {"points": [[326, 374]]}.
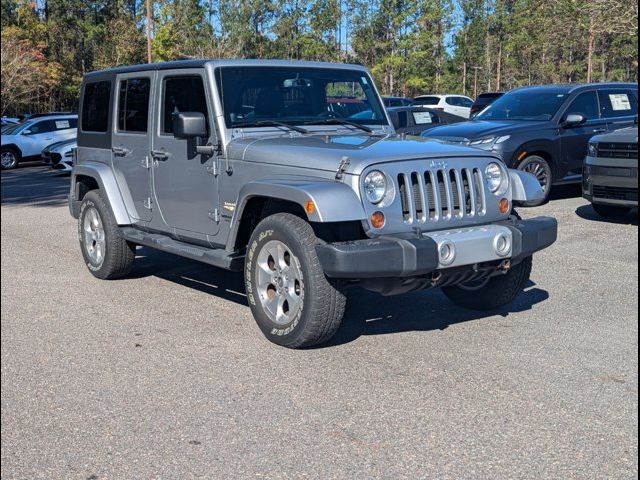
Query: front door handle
{"points": [[599, 130], [120, 151], [160, 155]]}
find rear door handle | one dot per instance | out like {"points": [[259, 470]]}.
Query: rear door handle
{"points": [[120, 151], [160, 155]]}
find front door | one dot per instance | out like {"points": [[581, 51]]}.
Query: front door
{"points": [[575, 140], [185, 183], [131, 141]]}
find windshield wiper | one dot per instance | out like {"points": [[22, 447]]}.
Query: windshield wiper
{"points": [[271, 123], [340, 121]]}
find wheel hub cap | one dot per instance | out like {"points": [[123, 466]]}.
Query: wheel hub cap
{"points": [[7, 159], [279, 282], [94, 239]]}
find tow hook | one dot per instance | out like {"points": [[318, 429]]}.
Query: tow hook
{"points": [[505, 266], [435, 278]]}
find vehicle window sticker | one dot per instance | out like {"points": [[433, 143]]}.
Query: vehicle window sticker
{"points": [[422, 118], [620, 101], [61, 124]]}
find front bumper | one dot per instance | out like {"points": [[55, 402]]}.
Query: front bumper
{"points": [[610, 181], [412, 255]]}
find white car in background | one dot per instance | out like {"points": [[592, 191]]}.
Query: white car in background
{"points": [[59, 156], [456, 104], [27, 139]]}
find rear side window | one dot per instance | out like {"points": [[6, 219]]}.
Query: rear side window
{"points": [[133, 104], [425, 118], [455, 101], [585, 104], [617, 103], [183, 94], [95, 107], [465, 102], [66, 123]]}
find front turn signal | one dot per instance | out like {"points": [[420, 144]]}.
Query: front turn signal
{"points": [[378, 220]]}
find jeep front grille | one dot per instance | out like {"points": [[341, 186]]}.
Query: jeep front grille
{"points": [[441, 194]]}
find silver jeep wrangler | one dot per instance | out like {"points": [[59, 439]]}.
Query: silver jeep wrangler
{"points": [[292, 173]]}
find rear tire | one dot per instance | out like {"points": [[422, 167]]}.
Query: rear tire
{"points": [[106, 253], [497, 292], [611, 211], [9, 158], [540, 168], [291, 299]]}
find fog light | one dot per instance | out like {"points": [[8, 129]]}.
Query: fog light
{"points": [[504, 206], [377, 220], [502, 244], [447, 253]]}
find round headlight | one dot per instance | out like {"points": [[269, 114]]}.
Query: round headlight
{"points": [[494, 176], [375, 186]]}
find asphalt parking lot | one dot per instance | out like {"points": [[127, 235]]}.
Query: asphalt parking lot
{"points": [[166, 375]]}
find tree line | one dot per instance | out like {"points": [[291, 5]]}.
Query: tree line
{"points": [[411, 46]]}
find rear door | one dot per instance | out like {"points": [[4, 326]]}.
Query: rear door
{"points": [[618, 107], [131, 140], [185, 183], [575, 140]]}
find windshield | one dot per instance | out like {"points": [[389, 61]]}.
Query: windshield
{"points": [[302, 96], [524, 105], [13, 129]]}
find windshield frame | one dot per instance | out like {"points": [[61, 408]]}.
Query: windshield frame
{"points": [[562, 95], [370, 91]]}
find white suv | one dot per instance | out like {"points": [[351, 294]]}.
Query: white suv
{"points": [[454, 104], [27, 139]]}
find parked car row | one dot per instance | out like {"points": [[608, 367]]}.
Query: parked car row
{"points": [[27, 140]]}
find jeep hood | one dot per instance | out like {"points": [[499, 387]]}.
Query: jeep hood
{"points": [[476, 129], [325, 152]]}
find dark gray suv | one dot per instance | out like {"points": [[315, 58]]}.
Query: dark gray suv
{"points": [[545, 130]]}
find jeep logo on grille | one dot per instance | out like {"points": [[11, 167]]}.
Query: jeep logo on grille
{"points": [[438, 164]]}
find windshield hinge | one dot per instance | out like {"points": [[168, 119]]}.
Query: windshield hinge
{"points": [[344, 164], [215, 215], [213, 168]]}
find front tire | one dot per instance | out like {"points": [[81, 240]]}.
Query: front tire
{"points": [[291, 299], [611, 211], [106, 253], [9, 159], [539, 168], [495, 293]]}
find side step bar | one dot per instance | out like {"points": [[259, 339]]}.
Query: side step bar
{"points": [[217, 257]]}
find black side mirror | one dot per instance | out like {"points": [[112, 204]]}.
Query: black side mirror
{"points": [[189, 125], [574, 120]]}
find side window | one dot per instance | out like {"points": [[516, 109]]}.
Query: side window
{"points": [[133, 104], [617, 103], [42, 127], [65, 123], [182, 94], [424, 118], [402, 119], [585, 104], [452, 101], [95, 107], [465, 102]]}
